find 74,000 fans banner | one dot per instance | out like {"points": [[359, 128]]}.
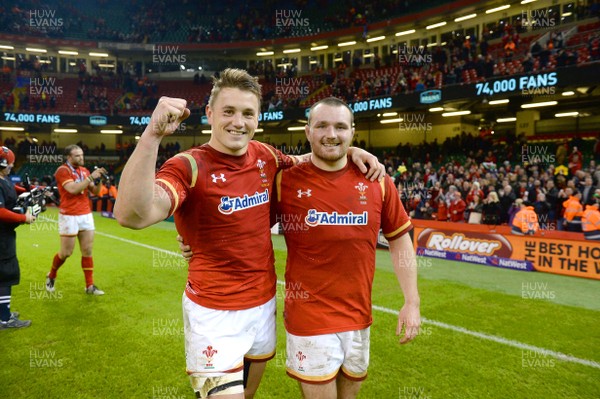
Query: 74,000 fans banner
{"points": [[547, 251]]}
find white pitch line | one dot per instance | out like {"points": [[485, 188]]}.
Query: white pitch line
{"points": [[500, 340], [138, 243], [487, 337]]}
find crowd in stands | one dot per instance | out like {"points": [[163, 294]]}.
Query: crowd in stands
{"points": [[18, 94], [92, 89], [463, 59], [30, 88], [144, 92], [488, 186], [58, 19], [225, 21], [492, 184], [31, 17], [451, 64], [299, 18]]}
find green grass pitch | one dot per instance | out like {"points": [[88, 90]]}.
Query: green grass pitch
{"points": [[129, 343]]}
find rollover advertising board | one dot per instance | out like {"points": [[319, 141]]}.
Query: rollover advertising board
{"points": [[547, 251], [472, 247]]}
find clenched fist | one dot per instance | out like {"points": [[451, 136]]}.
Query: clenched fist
{"points": [[167, 116]]}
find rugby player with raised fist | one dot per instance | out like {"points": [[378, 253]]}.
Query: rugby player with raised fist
{"points": [[220, 195]]}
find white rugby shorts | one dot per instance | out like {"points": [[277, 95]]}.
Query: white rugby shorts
{"points": [[317, 359], [71, 225], [217, 341]]}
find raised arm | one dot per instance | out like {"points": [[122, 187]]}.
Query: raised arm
{"points": [[405, 267], [141, 202]]}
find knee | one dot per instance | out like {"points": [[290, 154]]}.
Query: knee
{"points": [[65, 253], [228, 384]]}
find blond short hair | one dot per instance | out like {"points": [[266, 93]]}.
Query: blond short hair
{"points": [[235, 79]]}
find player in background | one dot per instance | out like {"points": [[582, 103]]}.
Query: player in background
{"points": [[331, 216], [219, 194], [75, 220], [9, 264]]}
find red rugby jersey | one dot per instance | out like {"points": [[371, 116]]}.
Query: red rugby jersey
{"points": [[331, 222], [72, 204], [221, 206]]}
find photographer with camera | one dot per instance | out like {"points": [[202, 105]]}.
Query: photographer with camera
{"points": [[34, 198], [75, 219], [9, 221]]}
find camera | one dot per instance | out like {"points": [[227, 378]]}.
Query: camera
{"points": [[105, 177], [35, 198]]}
